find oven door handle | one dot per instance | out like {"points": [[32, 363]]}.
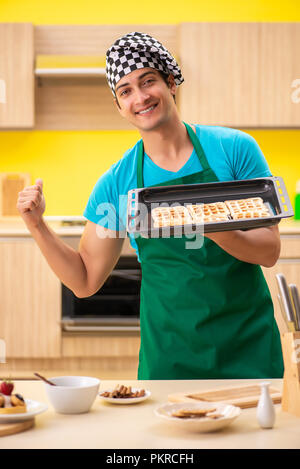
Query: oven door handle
{"points": [[79, 328]]}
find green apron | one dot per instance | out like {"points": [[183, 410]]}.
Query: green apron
{"points": [[204, 314]]}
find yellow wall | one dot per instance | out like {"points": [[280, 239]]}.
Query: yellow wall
{"points": [[71, 162]]}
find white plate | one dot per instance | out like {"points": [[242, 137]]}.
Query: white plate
{"points": [[125, 400], [33, 408], [201, 424]]}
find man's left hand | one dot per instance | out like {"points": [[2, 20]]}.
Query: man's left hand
{"points": [[257, 246]]}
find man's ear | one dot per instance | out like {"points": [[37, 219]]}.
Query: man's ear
{"points": [[117, 104], [172, 84]]}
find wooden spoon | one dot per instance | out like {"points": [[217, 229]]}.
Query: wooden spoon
{"points": [[44, 379]]}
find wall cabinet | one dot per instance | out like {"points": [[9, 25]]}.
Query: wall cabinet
{"points": [[240, 74], [236, 74], [30, 301], [16, 75]]}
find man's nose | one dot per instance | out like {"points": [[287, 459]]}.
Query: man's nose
{"points": [[141, 96]]}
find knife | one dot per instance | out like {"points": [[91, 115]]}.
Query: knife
{"points": [[290, 325], [286, 301], [296, 301]]}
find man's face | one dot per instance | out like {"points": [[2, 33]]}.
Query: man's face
{"points": [[145, 99]]}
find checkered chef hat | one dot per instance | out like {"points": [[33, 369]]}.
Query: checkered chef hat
{"points": [[138, 50]]}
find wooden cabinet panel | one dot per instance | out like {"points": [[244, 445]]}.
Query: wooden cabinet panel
{"points": [[96, 39], [290, 247], [240, 74], [106, 345], [17, 75], [279, 66], [76, 104], [30, 302]]}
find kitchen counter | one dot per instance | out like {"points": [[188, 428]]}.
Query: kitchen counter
{"points": [[289, 227], [112, 426], [14, 227]]}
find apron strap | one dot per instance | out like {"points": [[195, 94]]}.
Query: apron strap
{"points": [[196, 143], [140, 162], [198, 147]]}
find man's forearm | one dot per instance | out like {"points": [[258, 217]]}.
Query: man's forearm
{"points": [[65, 262], [259, 246]]}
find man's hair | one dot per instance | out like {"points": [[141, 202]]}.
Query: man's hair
{"points": [[164, 77]]}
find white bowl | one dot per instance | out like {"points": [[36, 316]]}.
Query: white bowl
{"points": [[72, 394]]}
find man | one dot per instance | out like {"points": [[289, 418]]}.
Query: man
{"points": [[207, 312]]}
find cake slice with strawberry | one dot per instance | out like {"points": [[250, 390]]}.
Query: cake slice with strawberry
{"points": [[10, 403]]}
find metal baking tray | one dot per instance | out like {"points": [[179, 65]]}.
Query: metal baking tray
{"points": [[141, 201]]}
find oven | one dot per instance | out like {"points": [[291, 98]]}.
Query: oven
{"points": [[115, 307]]}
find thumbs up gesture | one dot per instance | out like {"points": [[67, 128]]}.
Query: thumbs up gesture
{"points": [[31, 204]]}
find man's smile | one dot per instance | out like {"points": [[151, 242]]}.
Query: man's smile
{"points": [[147, 110]]}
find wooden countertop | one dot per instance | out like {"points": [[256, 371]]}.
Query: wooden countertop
{"points": [[14, 227], [289, 227], [111, 426]]}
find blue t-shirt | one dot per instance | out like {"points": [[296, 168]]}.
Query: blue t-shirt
{"points": [[231, 154]]}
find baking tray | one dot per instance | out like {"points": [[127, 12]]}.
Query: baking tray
{"points": [[141, 201]]}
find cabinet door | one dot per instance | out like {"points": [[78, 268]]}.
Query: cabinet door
{"points": [[30, 305], [16, 75], [290, 268], [240, 74]]}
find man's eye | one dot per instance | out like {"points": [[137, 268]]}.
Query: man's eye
{"points": [[124, 92], [147, 82]]}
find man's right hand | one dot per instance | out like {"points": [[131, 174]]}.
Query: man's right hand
{"points": [[31, 204]]}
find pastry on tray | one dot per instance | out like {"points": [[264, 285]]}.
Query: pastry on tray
{"points": [[211, 212], [203, 213], [247, 208], [10, 403], [170, 216]]}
